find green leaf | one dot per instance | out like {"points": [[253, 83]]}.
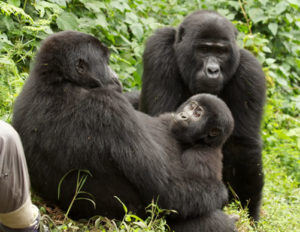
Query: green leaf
{"points": [[67, 21], [86, 199], [5, 40], [42, 6], [280, 7], [234, 4], [297, 61], [131, 18], [270, 61], [257, 15], [281, 81], [137, 30], [124, 206], [14, 2], [294, 132], [94, 6], [273, 27], [266, 49], [101, 20], [59, 2], [6, 61], [61, 181], [294, 3], [289, 18], [120, 5]]}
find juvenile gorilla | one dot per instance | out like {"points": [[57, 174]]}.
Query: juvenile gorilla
{"points": [[71, 115], [201, 126], [202, 57]]}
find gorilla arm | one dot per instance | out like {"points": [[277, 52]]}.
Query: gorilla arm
{"points": [[162, 86], [245, 96]]}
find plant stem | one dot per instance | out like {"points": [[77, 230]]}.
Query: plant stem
{"points": [[245, 16]]}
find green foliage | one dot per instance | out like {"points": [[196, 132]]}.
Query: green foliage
{"points": [[154, 222], [11, 82], [79, 194], [281, 134], [268, 28]]}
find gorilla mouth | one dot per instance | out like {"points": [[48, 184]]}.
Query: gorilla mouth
{"points": [[212, 88], [204, 84]]}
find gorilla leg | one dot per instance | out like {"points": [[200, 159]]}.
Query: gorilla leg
{"points": [[214, 222]]}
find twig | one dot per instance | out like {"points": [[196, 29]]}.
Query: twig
{"points": [[245, 16]]}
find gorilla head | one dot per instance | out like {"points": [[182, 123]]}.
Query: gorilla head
{"points": [[206, 51], [203, 119], [70, 55]]}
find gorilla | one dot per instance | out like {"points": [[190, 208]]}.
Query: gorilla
{"points": [[201, 126], [72, 115], [202, 56]]}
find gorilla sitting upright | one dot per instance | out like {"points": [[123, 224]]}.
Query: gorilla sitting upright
{"points": [[72, 115], [202, 56]]}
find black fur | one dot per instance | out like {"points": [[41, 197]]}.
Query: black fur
{"points": [[201, 125], [202, 138], [202, 57], [134, 98], [71, 114]]}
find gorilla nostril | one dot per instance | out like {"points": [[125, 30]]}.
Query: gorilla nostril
{"points": [[213, 70], [183, 116]]}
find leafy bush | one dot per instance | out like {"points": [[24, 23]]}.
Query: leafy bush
{"points": [[268, 28]]}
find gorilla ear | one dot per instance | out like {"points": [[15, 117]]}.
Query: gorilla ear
{"points": [[180, 34], [214, 132], [81, 66]]}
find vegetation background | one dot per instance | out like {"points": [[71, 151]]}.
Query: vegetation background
{"points": [[268, 28]]}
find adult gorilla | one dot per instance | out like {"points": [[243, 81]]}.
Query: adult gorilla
{"points": [[71, 115], [202, 57]]}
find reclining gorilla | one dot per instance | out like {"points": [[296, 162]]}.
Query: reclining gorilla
{"points": [[202, 125], [71, 114], [202, 57]]}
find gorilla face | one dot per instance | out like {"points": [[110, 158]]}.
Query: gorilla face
{"points": [[204, 118], [206, 52], [189, 121]]}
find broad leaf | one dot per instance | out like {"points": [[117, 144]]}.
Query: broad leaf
{"points": [[67, 21]]}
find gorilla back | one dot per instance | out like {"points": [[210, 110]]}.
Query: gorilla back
{"points": [[62, 117]]}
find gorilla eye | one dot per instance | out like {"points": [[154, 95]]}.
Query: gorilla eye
{"points": [[214, 132], [204, 49], [198, 112], [193, 105]]}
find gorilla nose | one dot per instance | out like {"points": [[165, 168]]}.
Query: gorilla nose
{"points": [[183, 116], [213, 71]]}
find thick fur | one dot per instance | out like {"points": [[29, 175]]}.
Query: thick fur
{"points": [[170, 68], [202, 151], [134, 98], [72, 115]]}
